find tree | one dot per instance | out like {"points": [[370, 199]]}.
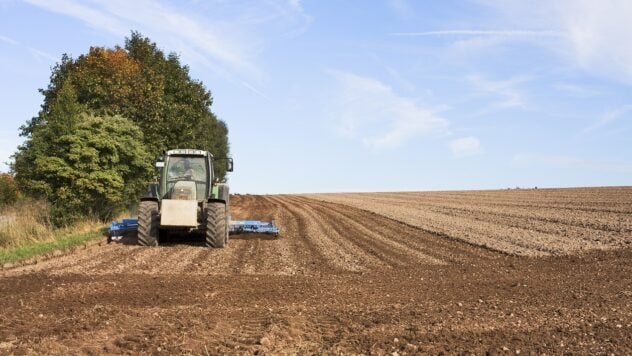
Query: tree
{"points": [[143, 98], [182, 117], [58, 119], [142, 84], [101, 169]]}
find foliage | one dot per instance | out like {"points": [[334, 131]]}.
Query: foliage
{"points": [[141, 83], [102, 168], [105, 116], [8, 190]]}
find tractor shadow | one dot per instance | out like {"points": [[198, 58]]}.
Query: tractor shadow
{"points": [[189, 239], [166, 239], [172, 239], [254, 236]]}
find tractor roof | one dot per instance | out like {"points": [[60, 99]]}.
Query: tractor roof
{"points": [[188, 152]]}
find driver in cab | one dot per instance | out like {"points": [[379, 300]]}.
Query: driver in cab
{"points": [[181, 170]]}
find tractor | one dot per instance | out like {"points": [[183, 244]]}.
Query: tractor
{"points": [[186, 198]]}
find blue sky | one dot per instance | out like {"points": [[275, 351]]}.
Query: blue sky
{"points": [[325, 96]]}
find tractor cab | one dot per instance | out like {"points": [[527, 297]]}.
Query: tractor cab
{"points": [[186, 177]]}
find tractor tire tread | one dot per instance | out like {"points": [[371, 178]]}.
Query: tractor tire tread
{"points": [[216, 226], [148, 223]]}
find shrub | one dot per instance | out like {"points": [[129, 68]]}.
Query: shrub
{"points": [[8, 190], [24, 222]]}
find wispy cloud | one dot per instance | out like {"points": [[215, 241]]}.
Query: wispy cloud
{"points": [[609, 117], [495, 33], [592, 35], [375, 114], [506, 93], [465, 147], [595, 33], [8, 40], [228, 48], [36, 53], [578, 91]]}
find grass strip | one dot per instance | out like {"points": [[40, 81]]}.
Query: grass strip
{"points": [[61, 243]]}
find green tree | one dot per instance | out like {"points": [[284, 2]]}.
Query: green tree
{"points": [[143, 84], [182, 117], [58, 119], [85, 103], [102, 169]]}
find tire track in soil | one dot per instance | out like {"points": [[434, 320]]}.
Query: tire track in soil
{"points": [[381, 245], [239, 255], [308, 259], [266, 254], [339, 251], [427, 247], [288, 257], [174, 261], [141, 260], [361, 238], [104, 263]]}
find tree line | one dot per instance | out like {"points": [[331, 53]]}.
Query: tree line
{"points": [[105, 117]]}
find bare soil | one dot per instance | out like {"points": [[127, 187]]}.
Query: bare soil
{"points": [[338, 279], [528, 222]]}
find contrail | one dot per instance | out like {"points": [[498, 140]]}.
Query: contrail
{"points": [[480, 33]]}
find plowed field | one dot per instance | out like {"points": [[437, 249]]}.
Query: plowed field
{"points": [[527, 222], [348, 274]]}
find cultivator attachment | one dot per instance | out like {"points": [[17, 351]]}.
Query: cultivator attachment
{"points": [[253, 226], [119, 228]]}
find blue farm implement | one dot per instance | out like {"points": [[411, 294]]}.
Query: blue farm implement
{"points": [[253, 226], [119, 228]]}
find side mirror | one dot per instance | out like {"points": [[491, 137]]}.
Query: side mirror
{"points": [[229, 165], [160, 164]]}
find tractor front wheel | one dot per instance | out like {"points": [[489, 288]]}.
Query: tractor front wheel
{"points": [[216, 226], [148, 223]]}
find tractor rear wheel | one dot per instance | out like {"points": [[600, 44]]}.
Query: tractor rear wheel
{"points": [[225, 196], [148, 223], [216, 226]]}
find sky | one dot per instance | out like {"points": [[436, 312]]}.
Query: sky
{"points": [[391, 95]]}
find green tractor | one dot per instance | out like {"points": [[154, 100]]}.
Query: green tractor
{"points": [[187, 198]]}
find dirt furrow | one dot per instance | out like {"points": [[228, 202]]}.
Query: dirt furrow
{"points": [[436, 249], [340, 251], [596, 220], [508, 239], [380, 245], [351, 237], [306, 256], [312, 233]]}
